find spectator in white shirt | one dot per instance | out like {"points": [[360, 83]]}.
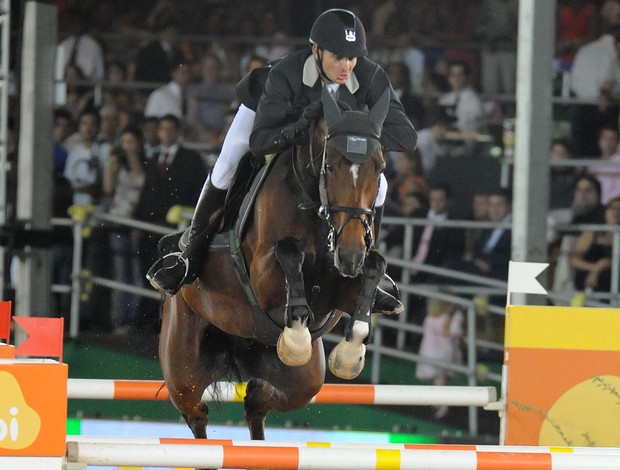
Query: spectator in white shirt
{"points": [[462, 103], [595, 76], [170, 98], [80, 49]]}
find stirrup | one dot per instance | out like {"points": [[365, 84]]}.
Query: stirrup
{"points": [[386, 304], [168, 274]]}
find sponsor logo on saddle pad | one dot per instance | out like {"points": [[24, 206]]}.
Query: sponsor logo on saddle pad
{"points": [[349, 35], [19, 423]]}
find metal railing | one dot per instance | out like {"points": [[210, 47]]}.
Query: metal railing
{"points": [[465, 297]]}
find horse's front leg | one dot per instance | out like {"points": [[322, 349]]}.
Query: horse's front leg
{"points": [[347, 359], [294, 343]]}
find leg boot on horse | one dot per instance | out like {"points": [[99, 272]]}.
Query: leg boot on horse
{"points": [[174, 270], [385, 304]]}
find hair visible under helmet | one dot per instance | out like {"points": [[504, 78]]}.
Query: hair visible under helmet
{"points": [[339, 31]]}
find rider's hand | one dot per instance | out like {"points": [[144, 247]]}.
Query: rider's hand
{"points": [[312, 112]]}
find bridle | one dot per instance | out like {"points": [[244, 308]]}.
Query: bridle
{"points": [[324, 208]]}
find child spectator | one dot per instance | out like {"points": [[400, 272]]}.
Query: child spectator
{"points": [[441, 341]]}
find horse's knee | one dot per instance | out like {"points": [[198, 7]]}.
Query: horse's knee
{"points": [[375, 264]]}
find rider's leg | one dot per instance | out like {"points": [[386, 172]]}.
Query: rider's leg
{"points": [[211, 200], [384, 303]]}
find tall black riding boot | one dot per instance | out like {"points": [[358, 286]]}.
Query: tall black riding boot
{"points": [[385, 304], [174, 270]]}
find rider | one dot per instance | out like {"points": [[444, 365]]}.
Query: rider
{"points": [[289, 100]]}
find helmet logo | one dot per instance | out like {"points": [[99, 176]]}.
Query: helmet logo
{"points": [[349, 34]]}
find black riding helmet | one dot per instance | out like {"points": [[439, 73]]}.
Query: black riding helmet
{"points": [[341, 32]]}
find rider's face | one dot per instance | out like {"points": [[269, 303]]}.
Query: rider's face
{"points": [[337, 68]]}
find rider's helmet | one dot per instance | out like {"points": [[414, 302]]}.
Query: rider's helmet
{"points": [[341, 32]]}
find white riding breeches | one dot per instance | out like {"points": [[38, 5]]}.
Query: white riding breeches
{"points": [[236, 145]]}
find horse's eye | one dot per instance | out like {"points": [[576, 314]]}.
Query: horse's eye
{"points": [[329, 167]]}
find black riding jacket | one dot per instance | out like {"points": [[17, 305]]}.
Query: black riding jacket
{"points": [[288, 86]]}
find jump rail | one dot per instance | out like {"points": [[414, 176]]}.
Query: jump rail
{"points": [[421, 395], [328, 458]]}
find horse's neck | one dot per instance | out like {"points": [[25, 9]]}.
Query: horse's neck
{"points": [[304, 173]]}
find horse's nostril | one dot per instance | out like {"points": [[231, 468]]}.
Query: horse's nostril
{"points": [[349, 262]]}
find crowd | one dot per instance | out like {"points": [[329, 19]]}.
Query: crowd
{"points": [[130, 150]]}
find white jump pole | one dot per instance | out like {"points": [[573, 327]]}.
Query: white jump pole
{"points": [[320, 458], [421, 395]]}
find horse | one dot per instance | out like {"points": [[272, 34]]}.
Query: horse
{"points": [[307, 255]]}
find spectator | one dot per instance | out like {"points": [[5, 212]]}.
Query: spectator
{"points": [[208, 102], [608, 175], [492, 250], [116, 72], [497, 30], [479, 213], [561, 178], [436, 76], [595, 76], [441, 341], [173, 177], [123, 181], [592, 255], [63, 125], [271, 28], [462, 103], [431, 143], [78, 97], [586, 208], [398, 73], [86, 161], [84, 170], [150, 136], [576, 26], [435, 244], [170, 98], [108, 127], [80, 49], [157, 60], [251, 62]]}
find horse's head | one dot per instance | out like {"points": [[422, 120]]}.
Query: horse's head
{"points": [[352, 162]]}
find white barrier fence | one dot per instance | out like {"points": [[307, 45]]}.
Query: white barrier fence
{"points": [[352, 394]]}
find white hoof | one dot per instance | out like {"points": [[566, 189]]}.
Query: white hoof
{"points": [[346, 360], [294, 348]]}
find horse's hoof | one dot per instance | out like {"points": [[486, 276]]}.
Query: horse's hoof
{"points": [[294, 348], [347, 359]]}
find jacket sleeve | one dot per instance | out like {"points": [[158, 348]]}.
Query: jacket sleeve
{"points": [[274, 112], [398, 132]]}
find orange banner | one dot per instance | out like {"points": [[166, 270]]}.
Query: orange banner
{"points": [[33, 409], [563, 377]]}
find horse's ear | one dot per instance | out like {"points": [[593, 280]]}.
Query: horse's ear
{"points": [[380, 109], [331, 110]]}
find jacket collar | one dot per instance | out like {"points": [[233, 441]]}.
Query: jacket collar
{"points": [[311, 75]]}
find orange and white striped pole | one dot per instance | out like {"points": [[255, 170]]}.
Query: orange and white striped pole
{"points": [[329, 457], [329, 394]]}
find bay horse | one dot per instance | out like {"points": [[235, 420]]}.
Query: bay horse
{"points": [[308, 255]]}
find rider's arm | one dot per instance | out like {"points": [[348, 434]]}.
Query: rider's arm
{"points": [[274, 113]]}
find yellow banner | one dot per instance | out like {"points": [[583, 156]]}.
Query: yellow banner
{"points": [[591, 329]]}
